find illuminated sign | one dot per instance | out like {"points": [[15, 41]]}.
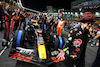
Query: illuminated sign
{"points": [[60, 14], [87, 3]]}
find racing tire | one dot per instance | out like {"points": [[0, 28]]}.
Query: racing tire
{"points": [[57, 43], [19, 38], [25, 24], [63, 41]]}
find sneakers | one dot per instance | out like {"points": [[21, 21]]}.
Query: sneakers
{"points": [[93, 42], [92, 45], [12, 33], [89, 40], [4, 42], [6, 39]]}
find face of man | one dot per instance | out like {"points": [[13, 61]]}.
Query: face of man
{"points": [[15, 10], [18, 10], [61, 19], [23, 10], [8, 7], [87, 25], [0, 3]]}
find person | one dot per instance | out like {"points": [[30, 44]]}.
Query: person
{"points": [[93, 33], [40, 20], [45, 22], [55, 24], [7, 22], [24, 14], [51, 22], [77, 25], [22, 17], [98, 32], [96, 63], [16, 19], [13, 22], [1, 14], [76, 43], [60, 27]]}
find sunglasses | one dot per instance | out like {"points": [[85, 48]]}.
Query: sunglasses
{"points": [[90, 23]]}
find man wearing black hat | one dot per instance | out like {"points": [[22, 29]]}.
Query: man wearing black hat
{"points": [[75, 47]]}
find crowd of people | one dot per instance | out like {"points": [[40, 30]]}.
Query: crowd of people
{"points": [[77, 38], [19, 17], [92, 29], [80, 34]]}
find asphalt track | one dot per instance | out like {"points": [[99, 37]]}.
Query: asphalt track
{"points": [[6, 62]]}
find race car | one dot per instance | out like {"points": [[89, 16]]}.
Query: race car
{"points": [[29, 46]]}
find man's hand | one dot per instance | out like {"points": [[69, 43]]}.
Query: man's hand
{"points": [[97, 44], [96, 37], [61, 54]]}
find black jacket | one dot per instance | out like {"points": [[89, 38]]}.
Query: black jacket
{"points": [[76, 43], [1, 13]]}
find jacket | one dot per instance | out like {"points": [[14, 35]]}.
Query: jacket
{"points": [[6, 15], [76, 43]]}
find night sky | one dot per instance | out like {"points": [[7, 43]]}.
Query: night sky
{"points": [[40, 5]]}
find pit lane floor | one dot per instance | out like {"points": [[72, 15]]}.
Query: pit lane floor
{"points": [[6, 62]]}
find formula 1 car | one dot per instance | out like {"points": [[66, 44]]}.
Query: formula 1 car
{"points": [[29, 46]]}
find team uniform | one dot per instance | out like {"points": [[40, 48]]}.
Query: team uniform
{"points": [[22, 17], [15, 22], [1, 21], [7, 24]]}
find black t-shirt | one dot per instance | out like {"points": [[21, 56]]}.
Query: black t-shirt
{"points": [[45, 18], [1, 12], [98, 52], [85, 40]]}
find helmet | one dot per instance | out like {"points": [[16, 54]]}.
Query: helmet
{"points": [[88, 16], [30, 31]]}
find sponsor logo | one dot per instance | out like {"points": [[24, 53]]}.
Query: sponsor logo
{"points": [[40, 40], [18, 56], [24, 51]]}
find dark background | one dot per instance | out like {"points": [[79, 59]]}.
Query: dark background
{"points": [[40, 5]]}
